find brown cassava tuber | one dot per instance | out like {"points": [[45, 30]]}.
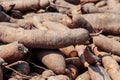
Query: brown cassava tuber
{"points": [[42, 38]]}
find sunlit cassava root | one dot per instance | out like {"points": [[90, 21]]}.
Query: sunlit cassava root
{"points": [[107, 44], [59, 40], [24, 5], [76, 22], [44, 38], [61, 18], [117, 38], [94, 48], [110, 64], [112, 3], [91, 8], [12, 52], [53, 60], [106, 21], [112, 7]]}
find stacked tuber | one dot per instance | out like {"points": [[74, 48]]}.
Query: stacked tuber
{"points": [[59, 40]]}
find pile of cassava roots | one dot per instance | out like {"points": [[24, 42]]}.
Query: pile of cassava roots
{"points": [[59, 39]]}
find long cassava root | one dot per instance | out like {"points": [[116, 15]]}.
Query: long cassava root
{"points": [[32, 38], [24, 5], [107, 44], [106, 21]]}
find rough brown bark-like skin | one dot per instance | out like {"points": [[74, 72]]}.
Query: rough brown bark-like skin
{"points": [[44, 38], [112, 67], [53, 60], [112, 3], [109, 63], [90, 8], [54, 25], [23, 5], [12, 52], [96, 51], [117, 38], [79, 22], [76, 22], [61, 18], [107, 44], [106, 21]]}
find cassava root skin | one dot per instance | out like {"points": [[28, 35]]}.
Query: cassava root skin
{"points": [[59, 39], [98, 73], [53, 60], [112, 67], [24, 5], [106, 21], [44, 38], [12, 52], [69, 51], [107, 44], [109, 63]]}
